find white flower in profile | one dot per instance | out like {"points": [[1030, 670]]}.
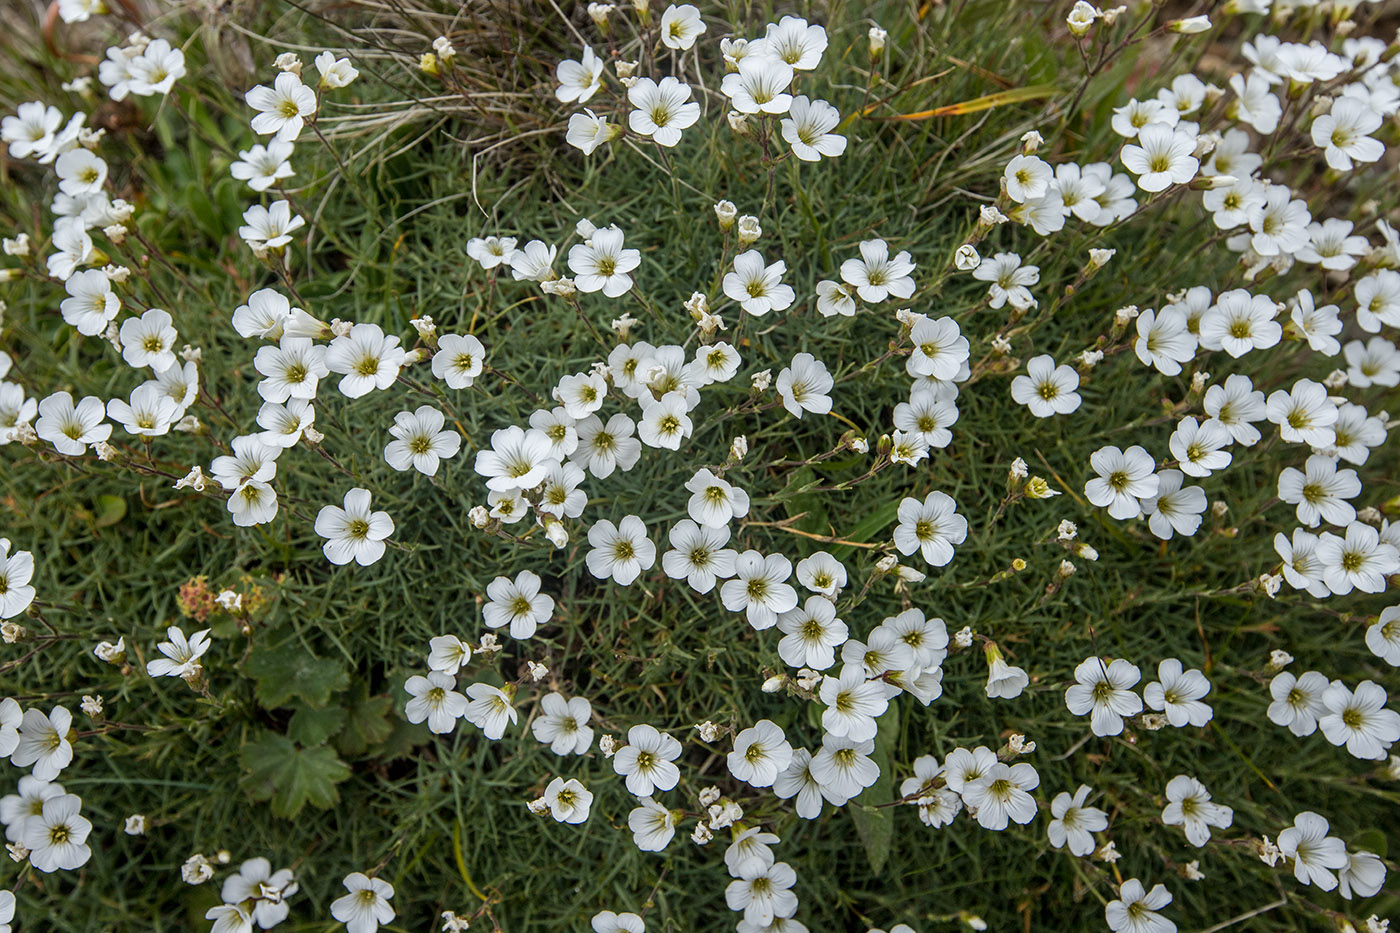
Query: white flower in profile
{"points": [[601, 264], [1009, 280], [1344, 134], [1129, 119], [563, 724], [647, 761], [1179, 694], [661, 110], [759, 589], [1175, 509], [1320, 491], [587, 131], [16, 570], [16, 411], [1105, 692], [698, 555], [603, 448], [1073, 824], [1026, 178], [762, 892], [835, 298], [368, 359], [181, 655], [1315, 854], [852, 703], [447, 654], [1297, 701], [265, 315], [253, 503], [11, 716], [665, 422], [1358, 560], [43, 743], [434, 699], [270, 227], [366, 906], [517, 459], [1319, 326], [932, 527], [620, 551], [490, 710], [1002, 794], [760, 754], [533, 262], [56, 836], [939, 350], [284, 423], [1164, 340], [681, 26], [759, 86], [229, 918], [1162, 157], [420, 441], [1359, 720], [1383, 636], [1135, 909], [282, 108], [579, 80], [1124, 477], [568, 801], [353, 532], [91, 304], [876, 275], [149, 412], [492, 251], [1189, 806], [1047, 389], [1004, 681], [149, 340], [758, 287], [69, 427], [335, 72], [263, 166], [653, 826], [713, 501], [459, 360], [803, 386], [1239, 322], [808, 125], [812, 633], [517, 603]]}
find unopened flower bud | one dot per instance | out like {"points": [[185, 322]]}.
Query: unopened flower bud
{"points": [[749, 230], [966, 258], [726, 213], [877, 38]]}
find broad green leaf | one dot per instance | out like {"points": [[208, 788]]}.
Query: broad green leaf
{"points": [[312, 727], [867, 529], [876, 826], [288, 671], [291, 777], [110, 510], [367, 722]]}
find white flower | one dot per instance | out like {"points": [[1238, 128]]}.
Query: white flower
{"points": [[759, 588], [353, 532], [804, 385], [603, 448], [876, 276], [434, 699], [1239, 322], [335, 72], [762, 892], [563, 724], [1364, 875], [579, 80], [681, 26], [257, 882], [758, 287], [156, 69], [852, 703], [282, 108], [1376, 362], [932, 527], [43, 743], [587, 131], [149, 340], [1123, 478], [1073, 822], [1378, 300], [834, 298], [929, 415], [760, 754], [1179, 693], [940, 350], [55, 836], [1200, 447], [71, 428], [1164, 340], [1047, 389], [759, 86], [72, 248], [1161, 158], [447, 653], [664, 422], [653, 826], [662, 110], [269, 227], [1004, 682], [1359, 720], [1320, 491], [1297, 701], [1175, 509], [253, 502], [181, 656], [491, 251], [1104, 691], [420, 441], [713, 501], [1344, 134], [1383, 636], [568, 801], [263, 166], [284, 423], [811, 634], [1359, 560], [1008, 280], [368, 359], [843, 767], [30, 131], [1135, 910], [534, 262], [517, 459], [1279, 223], [458, 360], [1314, 853], [16, 570], [80, 173], [620, 551], [366, 906], [1002, 794], [647, 761], [1026, 178], [518, 603], [699, 555], [807, 128], [292, 369], [601, 264], [1189, 806]]}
